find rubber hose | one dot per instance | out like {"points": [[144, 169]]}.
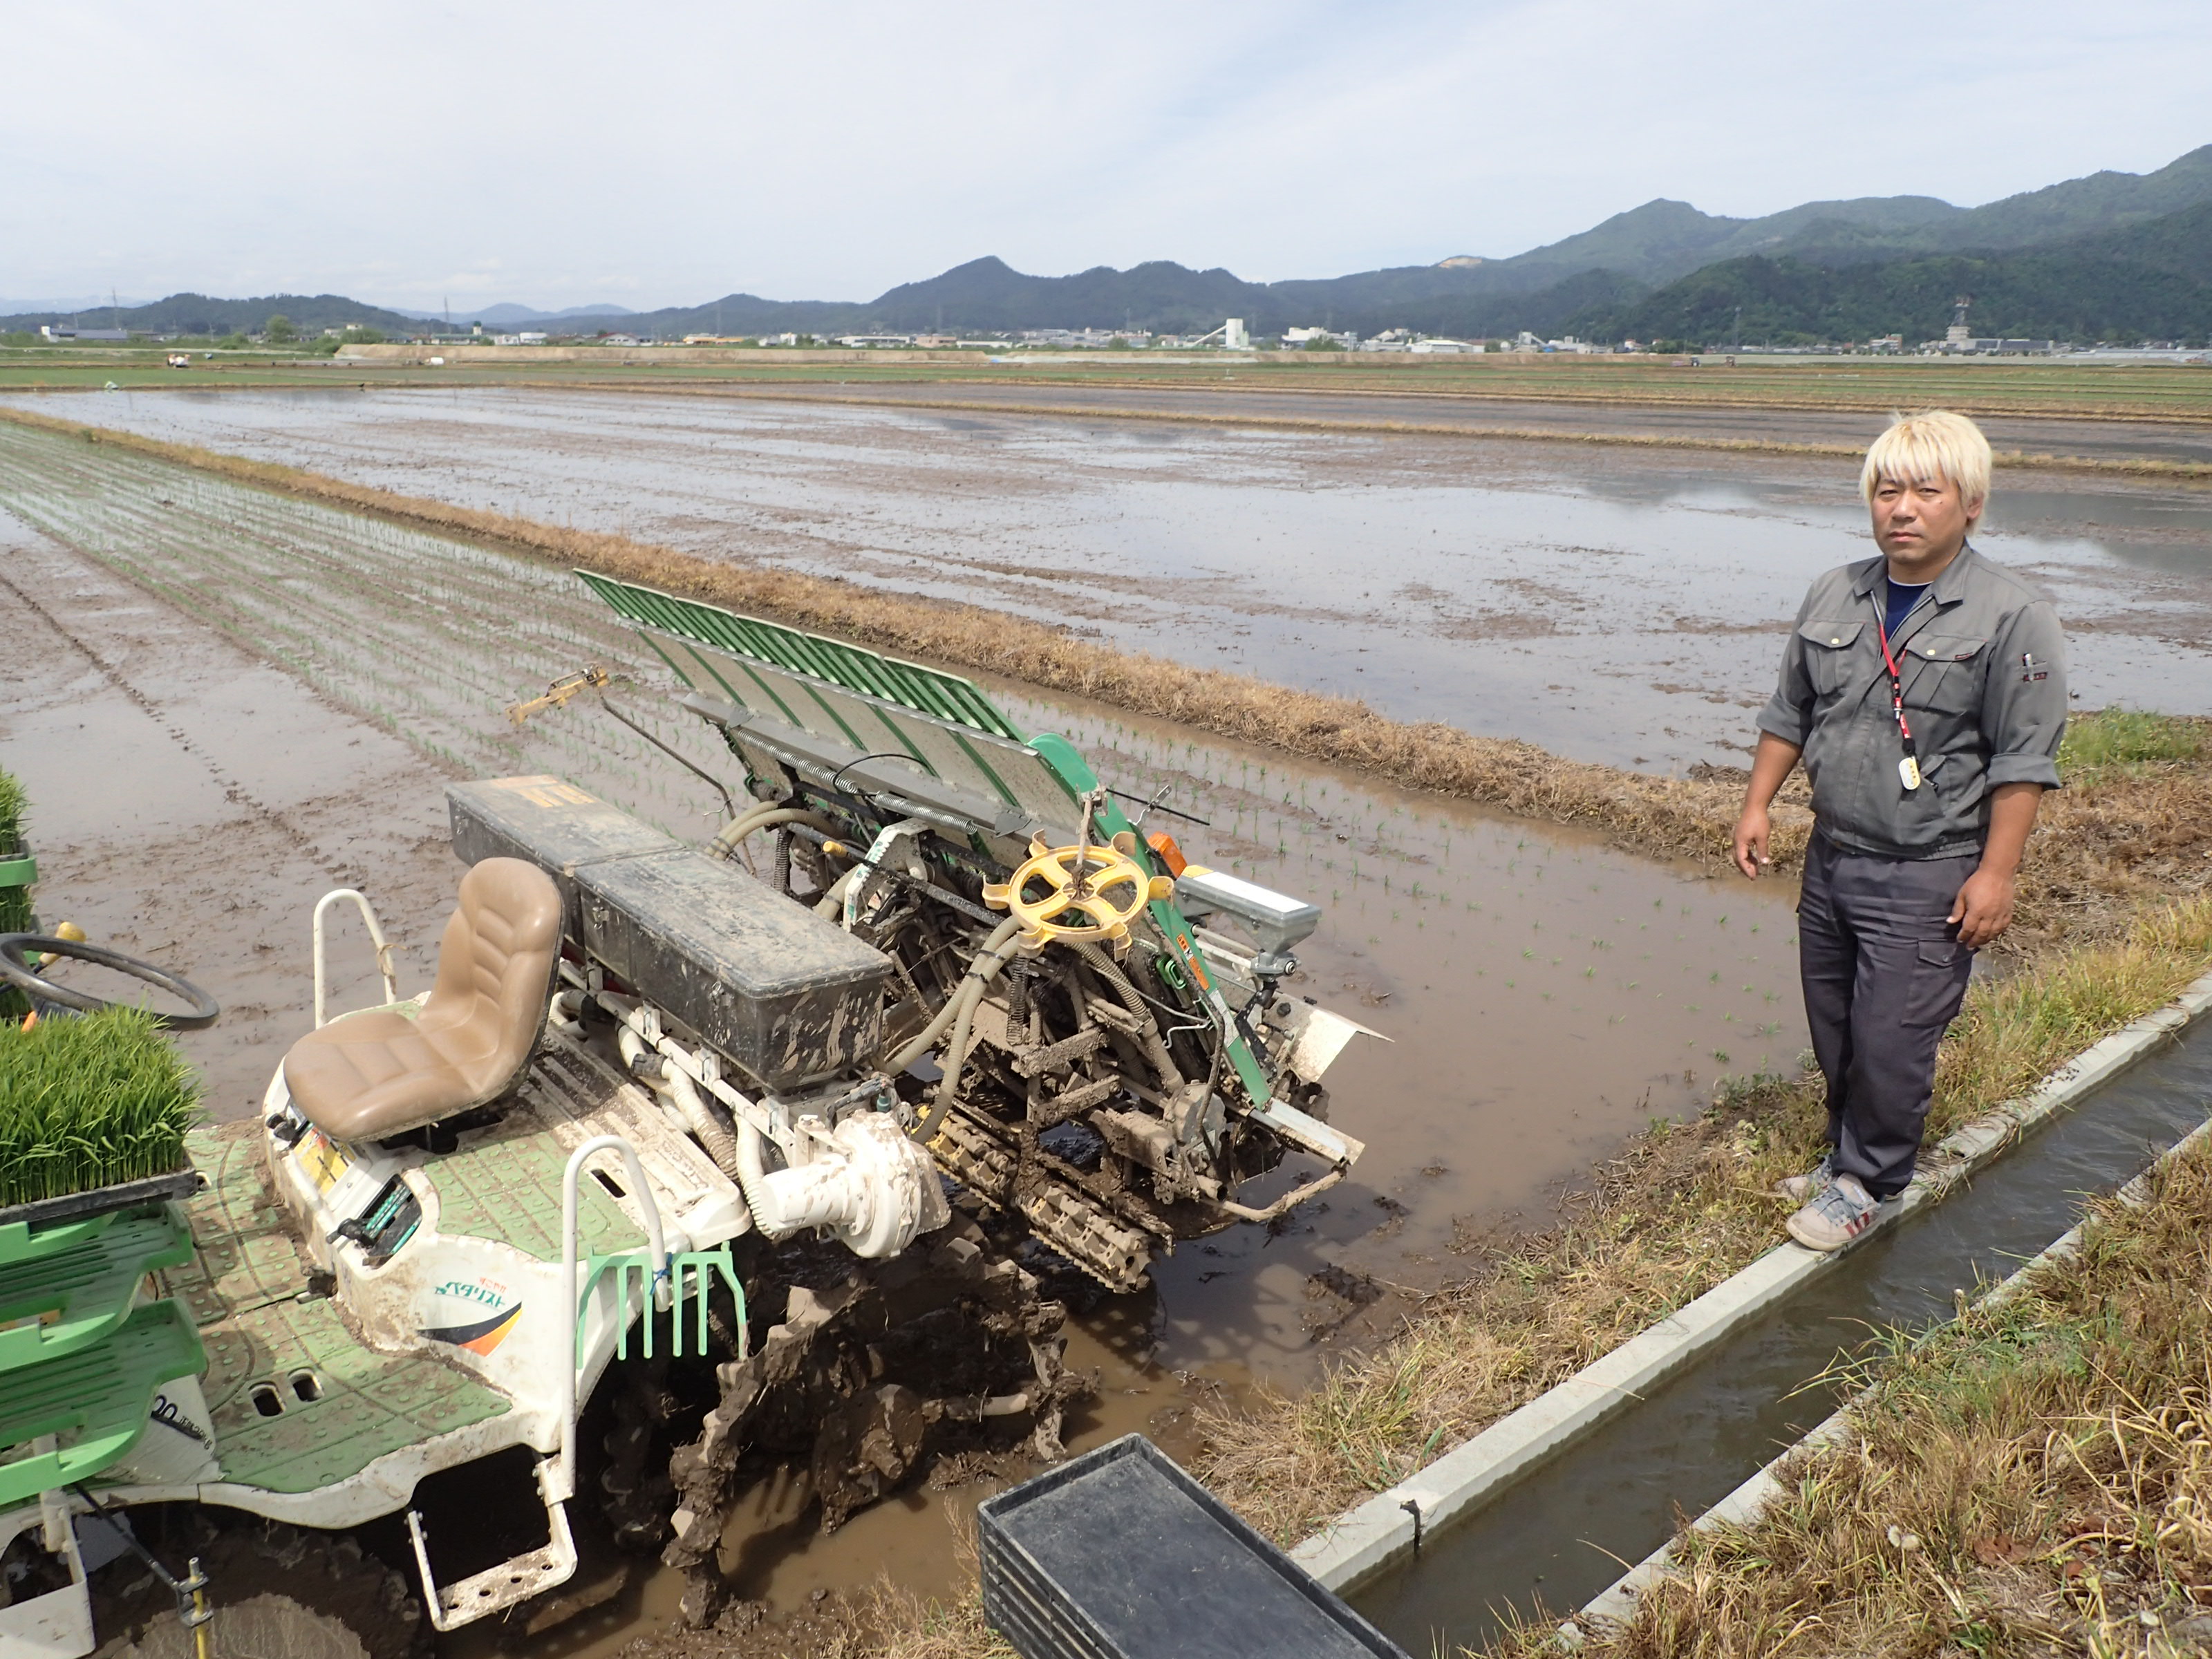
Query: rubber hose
{"points": [[997, 950], [752, 1178], [726, 840], [993, 956], [1148, 1032], [725, 844], [714, 1135], [833, 901], [690, 1105]]}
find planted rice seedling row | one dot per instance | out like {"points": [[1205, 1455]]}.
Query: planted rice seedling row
{"points": [[432, 637]]}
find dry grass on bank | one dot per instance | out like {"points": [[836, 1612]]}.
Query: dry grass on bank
{"points": [[1685, 1207], [2036, 1479]]}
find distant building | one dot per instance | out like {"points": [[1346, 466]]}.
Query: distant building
{"points": [[71, 331], [1442, 347], [1979, 346], [523, 339], [864, 340]]}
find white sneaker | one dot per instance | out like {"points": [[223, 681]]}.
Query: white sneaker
{"points": [[1836, 1217], [1804, 1188]]}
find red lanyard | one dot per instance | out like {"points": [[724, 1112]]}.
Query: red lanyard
{"points": [[1896, 686]]}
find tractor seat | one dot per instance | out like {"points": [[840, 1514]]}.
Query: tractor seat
{"points": [[377, 1074]]}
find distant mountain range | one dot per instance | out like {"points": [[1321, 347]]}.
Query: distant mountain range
{"points": [[507, 313], [2112, 256], [197, 313]]}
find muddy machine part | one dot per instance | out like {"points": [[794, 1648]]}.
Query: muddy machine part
{"points": [[1086, 1032], [787, 1110]]}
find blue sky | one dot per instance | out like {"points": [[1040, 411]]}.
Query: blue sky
{"points": [[560, 152]]}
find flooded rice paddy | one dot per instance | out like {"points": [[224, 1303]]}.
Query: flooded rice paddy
{"points": [[248, 699], [1545, 993], [1612, 604]]}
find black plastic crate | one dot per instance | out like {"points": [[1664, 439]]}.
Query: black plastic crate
{"points": [[1119, 1554]]}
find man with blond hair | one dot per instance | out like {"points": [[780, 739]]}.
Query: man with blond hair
{"points": [[1925, 690]]}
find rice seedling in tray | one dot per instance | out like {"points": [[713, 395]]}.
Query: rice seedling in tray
{"points": [[90, 1102], [14, 885]]}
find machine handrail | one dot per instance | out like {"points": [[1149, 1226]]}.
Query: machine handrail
{"points": [[376, 937], [565, 1480]]}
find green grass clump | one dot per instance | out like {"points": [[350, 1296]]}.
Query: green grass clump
{"points": [[2104, 743], [87, 1102]]}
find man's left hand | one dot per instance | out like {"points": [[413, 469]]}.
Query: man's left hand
{"points": [[1982, 909]]}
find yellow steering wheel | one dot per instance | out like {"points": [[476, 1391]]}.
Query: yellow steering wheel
{"points": [[1083, 893]]}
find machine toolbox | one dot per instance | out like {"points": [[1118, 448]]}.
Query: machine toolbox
{"points": [[787, 995], [551, 823]]}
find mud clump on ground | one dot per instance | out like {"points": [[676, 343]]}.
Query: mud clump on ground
{"points": [[867, 1371]]}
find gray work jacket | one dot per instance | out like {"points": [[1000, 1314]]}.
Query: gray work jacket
{"points": [[1983, 662]]}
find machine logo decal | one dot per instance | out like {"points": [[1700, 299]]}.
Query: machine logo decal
{"points": [[495, 1315]]}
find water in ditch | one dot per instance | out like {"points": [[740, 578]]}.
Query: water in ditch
{"points": [[1561, 1535]]}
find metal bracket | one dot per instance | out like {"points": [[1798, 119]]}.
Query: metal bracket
{"points": [[58, 1624], [497, 1589], [376, 937]]}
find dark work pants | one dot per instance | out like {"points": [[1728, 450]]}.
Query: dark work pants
{"points": [[1884, 975]]}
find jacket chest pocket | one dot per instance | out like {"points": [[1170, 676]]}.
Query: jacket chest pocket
{"points": [[1828, 651], [1947, 675]]}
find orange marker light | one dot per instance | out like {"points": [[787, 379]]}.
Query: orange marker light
{"points": [[1164, 844]]}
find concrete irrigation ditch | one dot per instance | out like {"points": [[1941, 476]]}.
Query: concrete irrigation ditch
{"points": [[1394, 1523]]}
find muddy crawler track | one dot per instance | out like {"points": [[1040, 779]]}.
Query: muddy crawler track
{"points": [[868, 1370]]}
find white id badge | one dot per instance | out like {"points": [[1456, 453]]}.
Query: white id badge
{"points": [[1908, 772]]}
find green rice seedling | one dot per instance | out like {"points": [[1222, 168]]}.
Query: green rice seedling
{"points": [[89, 1102], [15, 902]]}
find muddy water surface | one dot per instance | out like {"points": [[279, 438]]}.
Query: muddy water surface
{"points": [[255, 699], [1616, 605]]}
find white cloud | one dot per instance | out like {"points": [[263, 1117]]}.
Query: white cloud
{"points": [[564, 151]]}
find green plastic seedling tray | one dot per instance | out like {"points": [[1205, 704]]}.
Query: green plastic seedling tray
{"points": [[99, 1399], [55, 1302], [49, 1227]]}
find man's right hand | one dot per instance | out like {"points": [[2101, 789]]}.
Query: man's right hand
{"points": [[1752, 830], [1769, 766]]}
